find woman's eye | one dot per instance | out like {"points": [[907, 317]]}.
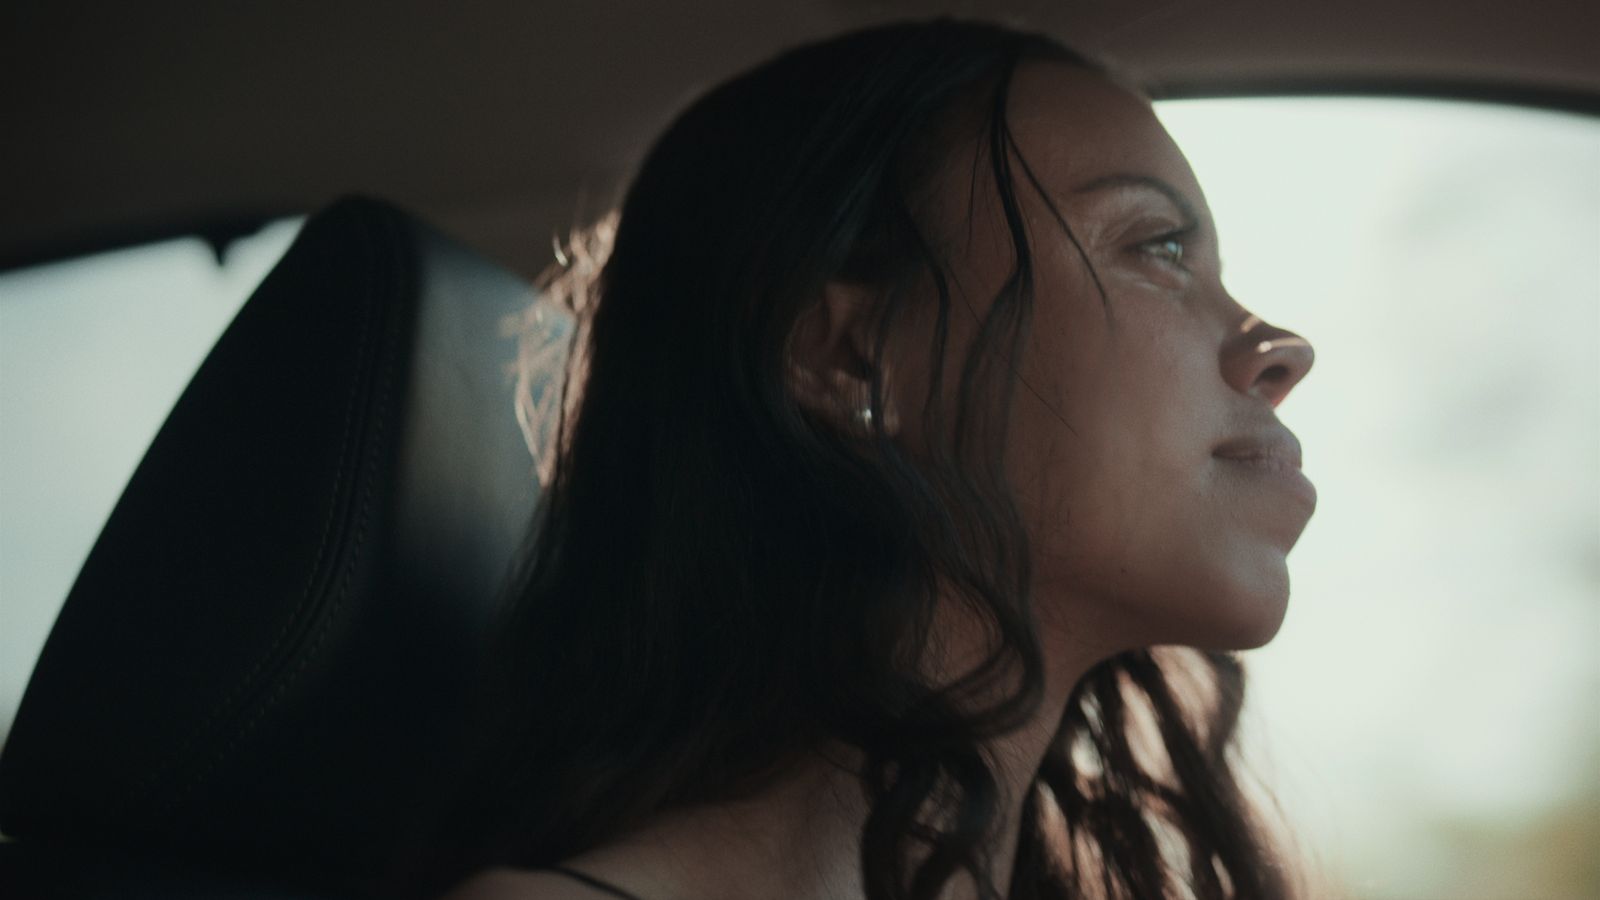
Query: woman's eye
{"points": [[1167, 249]]}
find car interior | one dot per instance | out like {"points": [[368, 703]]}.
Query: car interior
{"points": [[261, 668]]}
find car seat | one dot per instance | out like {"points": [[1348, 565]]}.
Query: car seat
{"points": [[256, 685]]}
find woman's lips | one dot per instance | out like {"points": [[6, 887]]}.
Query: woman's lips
{"points": [[1272, 462], [1278, 445], [1270, 459]]}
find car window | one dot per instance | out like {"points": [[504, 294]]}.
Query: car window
{"points": [[1426, 716], [93, 353], [1427, 713]]}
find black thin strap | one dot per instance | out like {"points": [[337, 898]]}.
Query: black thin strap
{"points": [[591, 881]]}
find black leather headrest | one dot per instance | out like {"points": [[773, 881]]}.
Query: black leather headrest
{"points": [[263, 659]]}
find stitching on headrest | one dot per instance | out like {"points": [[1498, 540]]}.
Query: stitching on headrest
{"points": [[348, 443]]}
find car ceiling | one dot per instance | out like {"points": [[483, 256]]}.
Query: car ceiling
{"points": [[509, 122]]}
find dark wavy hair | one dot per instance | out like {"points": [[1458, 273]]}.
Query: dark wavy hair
{"points": [[719, 581]]}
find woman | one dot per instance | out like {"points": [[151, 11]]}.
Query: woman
{"points": [[910, 413]]}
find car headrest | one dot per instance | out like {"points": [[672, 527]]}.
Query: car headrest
{"points": [[263, 659]]}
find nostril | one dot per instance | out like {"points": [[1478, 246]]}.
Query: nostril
{"points": [[1267, 362]]}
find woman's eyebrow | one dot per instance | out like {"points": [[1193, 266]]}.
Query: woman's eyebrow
{"points": [[1141, 182]]}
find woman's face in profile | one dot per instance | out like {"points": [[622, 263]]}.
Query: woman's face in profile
{"points": [[1160, 493]]}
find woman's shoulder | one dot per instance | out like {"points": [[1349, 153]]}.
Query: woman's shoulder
{"points": [[516, 884]]}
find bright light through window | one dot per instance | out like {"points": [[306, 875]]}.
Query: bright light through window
{"points": [[1428, 712], [93, 354]]}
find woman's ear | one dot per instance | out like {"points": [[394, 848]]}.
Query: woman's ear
{"points": [[830, 360]]}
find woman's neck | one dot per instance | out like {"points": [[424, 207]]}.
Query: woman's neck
{"points": [[798, 838]]}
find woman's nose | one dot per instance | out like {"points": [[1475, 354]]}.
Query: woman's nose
{"points": [[1265, 361]]}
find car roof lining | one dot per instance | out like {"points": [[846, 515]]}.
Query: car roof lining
{"points": [[510, 122]]}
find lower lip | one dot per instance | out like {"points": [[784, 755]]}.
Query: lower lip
{"points": [[1279, 472]]}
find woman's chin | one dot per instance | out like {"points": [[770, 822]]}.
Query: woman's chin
{"points": [[1251, 613], [1238, 610]]}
